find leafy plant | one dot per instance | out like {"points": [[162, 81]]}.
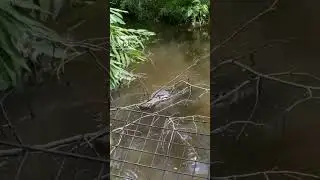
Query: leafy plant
{"points": [[23, 41], [197, 12], [28, 48], [126, 47], [181, 11]]}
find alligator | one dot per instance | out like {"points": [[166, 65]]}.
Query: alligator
{"points": [[165, 95], [170, 94]]}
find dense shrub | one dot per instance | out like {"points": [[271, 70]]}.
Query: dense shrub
{"points": [[181, 11], [126, 47]]}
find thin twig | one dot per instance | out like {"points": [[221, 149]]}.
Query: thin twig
{"points": [[60, 153], [253, 110], [22, 161], [266, 173], [225, 127], [244, 26]]}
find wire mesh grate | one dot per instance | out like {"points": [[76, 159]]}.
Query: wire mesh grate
{"points": [[159, 144], [165, 144]]}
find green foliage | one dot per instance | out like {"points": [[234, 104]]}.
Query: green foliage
{"points": [[181, 11], [197, 12], [22, 41], [126, 47]]}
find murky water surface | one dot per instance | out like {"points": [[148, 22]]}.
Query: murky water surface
{"points": [[170, 56]]}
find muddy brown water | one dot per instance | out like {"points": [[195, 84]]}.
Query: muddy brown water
{"points": [[72, 105], [168, 59]]}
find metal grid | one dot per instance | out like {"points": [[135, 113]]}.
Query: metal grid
{"points": [[159, 145]]}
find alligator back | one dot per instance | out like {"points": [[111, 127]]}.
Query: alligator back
{"points": [[164, 97]]}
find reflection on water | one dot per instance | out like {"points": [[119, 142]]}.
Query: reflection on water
{"points": [[187, 152]]}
